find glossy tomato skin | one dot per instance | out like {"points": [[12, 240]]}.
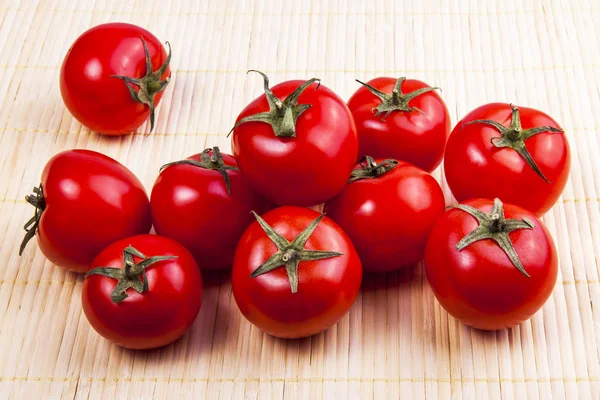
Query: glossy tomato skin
{"points": [[91, 201], [95, 98], [156, 317], [326, 290], [479, 285], [308, 169], [475, 168], [389, 218], [191, 205], [414, 137]]}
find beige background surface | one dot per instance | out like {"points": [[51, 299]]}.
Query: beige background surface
{"points": [[396, 339]]}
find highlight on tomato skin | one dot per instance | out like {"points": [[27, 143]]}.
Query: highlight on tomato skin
{"points": [[142, 292], [113, 77], [84, 202], [295, 273], [518, 154], [491, 265]]}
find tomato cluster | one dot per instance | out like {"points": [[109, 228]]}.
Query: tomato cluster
{"points": [[296, 271]]}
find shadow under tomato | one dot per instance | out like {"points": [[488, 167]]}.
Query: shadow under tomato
{"points": [[486, 336], [492, 336], [303, 343], [215, 278], [116, 138], [389, 280]]}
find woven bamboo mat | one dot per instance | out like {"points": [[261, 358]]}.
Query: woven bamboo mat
{"points": [[396, 341]]}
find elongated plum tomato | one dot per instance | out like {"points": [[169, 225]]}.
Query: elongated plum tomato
{"points": [[295, 272], [85, 202], [388, 209], [204, 203], [490, 265], [402, 119], [518, 154], [113, 77], [296, 144], [142, 292]]}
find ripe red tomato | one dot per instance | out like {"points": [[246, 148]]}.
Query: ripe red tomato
{"points": [[295, 273], [191, 203], [85, 202], [520, 155], [388, 211], [403, 119], [113, 77], [491, 266], [142, 292], [296, 144]]}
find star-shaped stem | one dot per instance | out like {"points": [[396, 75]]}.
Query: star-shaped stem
{"points": [[396, 101], [150, 84], [291, 254], [212, 161], [132, 275], [282, 115], [369, 169], [37, 200], [514, 136], [495, 227]]}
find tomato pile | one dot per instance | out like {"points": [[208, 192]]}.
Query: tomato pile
{"points": [[297, 148]]}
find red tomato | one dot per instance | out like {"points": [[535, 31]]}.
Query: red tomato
{"points": [[302, 151], [191, 203], [493, 270], [85, 202], [295, 273], [517, 154], [113, 77], [388, 210], [142, 292], [401, 119]]}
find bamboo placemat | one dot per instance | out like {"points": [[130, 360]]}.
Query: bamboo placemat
{"points": [[396, 341]]}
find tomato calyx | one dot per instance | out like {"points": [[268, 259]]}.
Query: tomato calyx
{"points": [[149, 85], [369, 169], [132, 275], [282, 115], [396, 101], [290, 254], [39, 202], [212, 162], [495, 227], [514, 136]]}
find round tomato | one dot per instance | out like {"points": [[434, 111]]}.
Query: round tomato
{"points": [[518, 154], [204, 203], [296, 144], [388, 209], [85, 202], [295, 273], [113, 77], [404, 119], [490, 265], [142, 292]]}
